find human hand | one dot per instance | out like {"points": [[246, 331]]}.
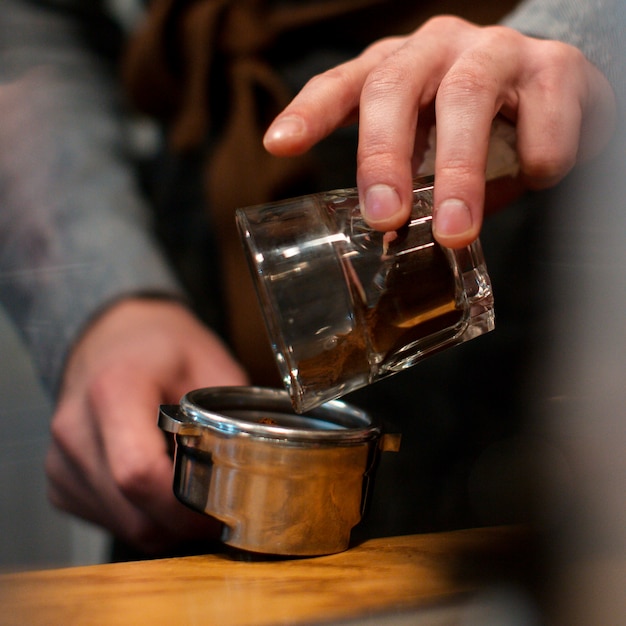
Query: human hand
{"points": [[108, 461], [463, 75]]}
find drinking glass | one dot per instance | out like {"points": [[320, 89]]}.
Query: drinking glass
{"points": [[346, 305]]}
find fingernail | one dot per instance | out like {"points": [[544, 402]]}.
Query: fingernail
{"points": [[381, 203], [283, 128], [452, 217]]}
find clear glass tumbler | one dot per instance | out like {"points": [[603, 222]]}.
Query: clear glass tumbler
{"points": [[345, 305]]}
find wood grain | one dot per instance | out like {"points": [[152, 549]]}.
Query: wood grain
{"points": [[380, 575]]}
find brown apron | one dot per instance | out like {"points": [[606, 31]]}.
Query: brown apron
{"points": [[199, 65]]}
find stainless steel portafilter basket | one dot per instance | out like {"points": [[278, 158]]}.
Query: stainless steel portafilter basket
{"points": [[281, 483]]}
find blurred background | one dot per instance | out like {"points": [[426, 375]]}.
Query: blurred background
{"points": [[32, 533]]}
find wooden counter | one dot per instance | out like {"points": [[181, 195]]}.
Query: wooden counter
{"points": [[378, 576]]}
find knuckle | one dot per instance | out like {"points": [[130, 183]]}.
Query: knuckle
{"points": [[384, 79], [376, 160], [58, 426], [497, 37], [441, 23], [131, 474], [457, 169], [553, 67], [544, 164], [560, 55], [62, 428], [546, 159], [382, 47], [462, 178], [104, 389], [467, 79]]}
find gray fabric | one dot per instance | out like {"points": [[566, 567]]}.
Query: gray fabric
{"points": [[74, 230], [593, 26]]}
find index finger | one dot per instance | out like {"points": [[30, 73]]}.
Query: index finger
{"points": [[325, 103]]}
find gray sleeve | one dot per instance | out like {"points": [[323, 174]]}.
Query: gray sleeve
{"points": [[74, 230], [593, 26]]}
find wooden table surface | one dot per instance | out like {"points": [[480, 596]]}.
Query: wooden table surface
{"points": [[378, 576]]}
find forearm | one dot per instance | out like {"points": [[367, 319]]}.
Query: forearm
{"points": [[74, 232]]}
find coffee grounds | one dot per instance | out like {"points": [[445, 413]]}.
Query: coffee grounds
{"points": [[418, 301]]}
